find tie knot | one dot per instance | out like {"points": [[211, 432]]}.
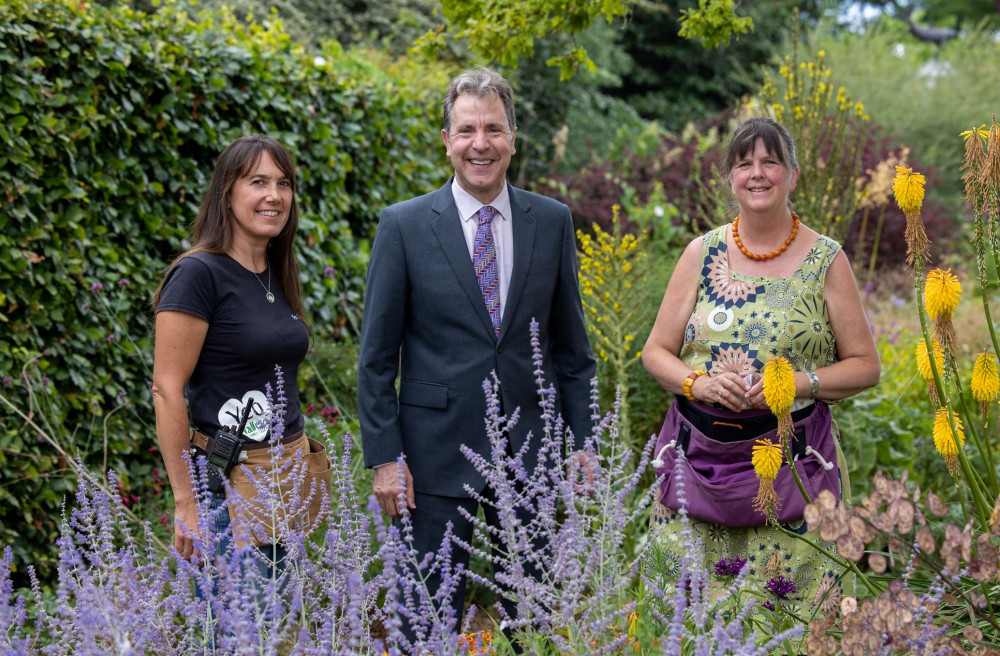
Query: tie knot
{"points": [[486, 214]]}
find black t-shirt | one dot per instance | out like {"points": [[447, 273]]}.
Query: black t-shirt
{"points": [[247, 337]]}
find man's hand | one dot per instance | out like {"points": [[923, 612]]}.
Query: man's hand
{"points": [[389, 481]]}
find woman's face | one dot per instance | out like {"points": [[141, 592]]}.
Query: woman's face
{"points": [[761, 182], [260, 202]]}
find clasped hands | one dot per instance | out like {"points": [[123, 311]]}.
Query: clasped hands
{"points": [[731, 391]]}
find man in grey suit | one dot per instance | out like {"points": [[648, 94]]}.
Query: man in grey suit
{"points": [[455, 279]]}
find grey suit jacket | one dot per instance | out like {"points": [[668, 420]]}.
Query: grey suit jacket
{"points": [[425, 320]]}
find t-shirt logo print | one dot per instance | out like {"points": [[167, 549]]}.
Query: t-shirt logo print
{"points": [[257, 424]]}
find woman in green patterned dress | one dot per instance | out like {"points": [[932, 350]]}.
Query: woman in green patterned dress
{"points": [[762, 286]]}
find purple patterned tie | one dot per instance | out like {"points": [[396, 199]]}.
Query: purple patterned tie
{"points": [[484, 260]]}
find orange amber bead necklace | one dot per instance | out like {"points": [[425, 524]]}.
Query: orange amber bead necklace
{"points": [[776, 252]]}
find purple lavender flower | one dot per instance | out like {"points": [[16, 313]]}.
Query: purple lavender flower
{"points": [[123, 282], [729, 566], [96, 287], [329, 272], [781, 587]]}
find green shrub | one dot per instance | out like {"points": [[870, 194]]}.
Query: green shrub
{"points": [[882, 427], [921, 94], [110, 121]]}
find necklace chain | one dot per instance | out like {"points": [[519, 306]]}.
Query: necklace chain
{"points": [[269, 296], [776, 252]]}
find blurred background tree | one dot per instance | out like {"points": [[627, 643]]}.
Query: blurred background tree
{"points": [[674, 81]]}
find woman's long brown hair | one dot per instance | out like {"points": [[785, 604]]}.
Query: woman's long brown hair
{"points": [[213, 228]]}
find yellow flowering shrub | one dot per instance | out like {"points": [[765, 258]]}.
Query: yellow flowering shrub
{"points": [[617, 303]]}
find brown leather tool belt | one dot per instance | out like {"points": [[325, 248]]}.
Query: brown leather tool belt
{"points": [[204, 442]]}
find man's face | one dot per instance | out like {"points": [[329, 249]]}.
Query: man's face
{"points": [[480, 144]]}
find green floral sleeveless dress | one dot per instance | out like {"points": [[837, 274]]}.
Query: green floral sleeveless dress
{"points": [[738, 323]]}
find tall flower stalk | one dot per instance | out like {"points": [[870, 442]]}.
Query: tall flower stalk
{"points": [[779, 392], [938, 294]]}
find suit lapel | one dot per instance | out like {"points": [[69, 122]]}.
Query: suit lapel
{"points": [[523, 225], [447, 227]]}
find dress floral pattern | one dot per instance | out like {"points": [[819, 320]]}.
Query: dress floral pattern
{"points": [[738, 323]]}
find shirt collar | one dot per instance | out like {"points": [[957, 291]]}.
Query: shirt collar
{"points": [[468, 206]]}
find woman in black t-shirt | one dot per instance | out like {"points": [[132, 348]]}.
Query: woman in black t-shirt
{"points": [[230, 320]]}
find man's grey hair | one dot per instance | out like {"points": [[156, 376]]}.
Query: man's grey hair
{"points": [[482, 83]]}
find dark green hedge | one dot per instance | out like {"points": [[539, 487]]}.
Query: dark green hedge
{"points": [[110, 122]]}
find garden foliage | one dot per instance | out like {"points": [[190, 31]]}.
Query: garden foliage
{"points": [[346, 588], [110, 121]]}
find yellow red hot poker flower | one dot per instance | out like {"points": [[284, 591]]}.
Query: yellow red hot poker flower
{"points": [[779, 393], [974, 162], [985, 380], [908, 188], [924, 360], [924, 367], [944, 440], [766, 460], [942, 292]]}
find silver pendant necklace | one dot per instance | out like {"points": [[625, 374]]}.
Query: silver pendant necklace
{"points": [[269, 296]]}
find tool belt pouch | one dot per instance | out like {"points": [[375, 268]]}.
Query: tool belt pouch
{"points": [[719, 480], [293, 490]]}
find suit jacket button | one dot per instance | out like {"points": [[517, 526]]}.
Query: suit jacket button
{"points": [[499, 349]]}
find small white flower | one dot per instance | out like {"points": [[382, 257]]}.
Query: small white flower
{"points": [[658, 211], [319, 61]]}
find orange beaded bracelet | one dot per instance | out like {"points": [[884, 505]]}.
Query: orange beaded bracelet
{"points": [[689, 383]]}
